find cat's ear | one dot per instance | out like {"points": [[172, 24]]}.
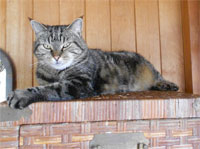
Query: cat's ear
{"points": [[37, 27], [76, 26]]}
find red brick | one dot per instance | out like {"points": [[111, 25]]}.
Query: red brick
{"points": [[154, 125], [137, 125], [8, 144], [31, 130], [194, 140], [102, 127], [65, 146], [168, 141], [9, 131], [47, 140], [196, 146], [37, 140], [85, 145], [65, 129], [65, 138], [169, 124], [9, 137], [153, 142], [155, 134], [82, 138], [27, 140], [193, 123], [179, 133], [41, 146], [157, 147], [121, 126], [85, 128], [183, 146]]}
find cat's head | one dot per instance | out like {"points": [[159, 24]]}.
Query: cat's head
{"points": [[59, 46]]}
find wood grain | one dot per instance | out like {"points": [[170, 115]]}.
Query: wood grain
{"points": [[172, 42], [98, 24], [123, 25], [152, 28], [19, 40], [47, 12], [187, 47], [147, 31], [194, 24], [3, 24], [71, 10]]}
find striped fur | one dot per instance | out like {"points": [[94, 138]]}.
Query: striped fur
{"points": [[68, 70]]}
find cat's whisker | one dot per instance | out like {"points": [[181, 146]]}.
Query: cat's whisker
{"points": [[34, 64]]}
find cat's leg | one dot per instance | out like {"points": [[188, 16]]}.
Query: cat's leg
{"points": [[164, 85], [21, 98], [68, 90]]}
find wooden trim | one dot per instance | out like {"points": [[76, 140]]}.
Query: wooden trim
{"points": [[186, 47], [191, 37]]}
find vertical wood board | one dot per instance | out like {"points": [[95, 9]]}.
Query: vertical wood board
{"points": [[123, 25], [98, 24], [71, 10], [19, 40], [172, 42], [147, 31]]}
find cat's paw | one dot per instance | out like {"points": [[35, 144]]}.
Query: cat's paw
{"points": [[165, 86], [18, 99]]}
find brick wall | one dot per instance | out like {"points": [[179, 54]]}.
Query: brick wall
{"points": [[9, 137], [168, 120], [183, 133]]}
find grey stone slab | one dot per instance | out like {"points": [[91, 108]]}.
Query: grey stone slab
{"points": [[119, 141], [9, 114]]}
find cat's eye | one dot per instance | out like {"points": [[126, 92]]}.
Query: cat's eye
{"points": [[46, 46], [66, 45]]}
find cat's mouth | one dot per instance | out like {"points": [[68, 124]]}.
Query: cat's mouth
{"points": [[60, 65]]}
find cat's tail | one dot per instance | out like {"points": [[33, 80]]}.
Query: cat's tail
{"points": [[164, 85]]}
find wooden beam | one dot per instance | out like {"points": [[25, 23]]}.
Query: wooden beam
{"points": [[191, 38]]}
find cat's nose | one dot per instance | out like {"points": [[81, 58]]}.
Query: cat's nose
{"points": [[56, 55], [56, 58]]}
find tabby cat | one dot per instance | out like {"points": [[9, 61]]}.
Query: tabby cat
{"points": [[67, 69]]}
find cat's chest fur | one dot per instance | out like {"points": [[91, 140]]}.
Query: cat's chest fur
{"points": [[46, 76]]}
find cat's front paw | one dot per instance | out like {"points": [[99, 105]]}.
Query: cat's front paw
{"points": [[165, 86], [18, 99]]}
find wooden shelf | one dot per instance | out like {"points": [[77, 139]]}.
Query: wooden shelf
{"points": [[127, 106], [163, 117]]}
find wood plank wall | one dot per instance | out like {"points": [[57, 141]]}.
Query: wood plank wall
{"points": [[152, 28]]}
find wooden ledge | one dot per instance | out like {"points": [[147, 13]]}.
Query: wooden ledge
{"points": [[127, 106], [147, 95]]}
